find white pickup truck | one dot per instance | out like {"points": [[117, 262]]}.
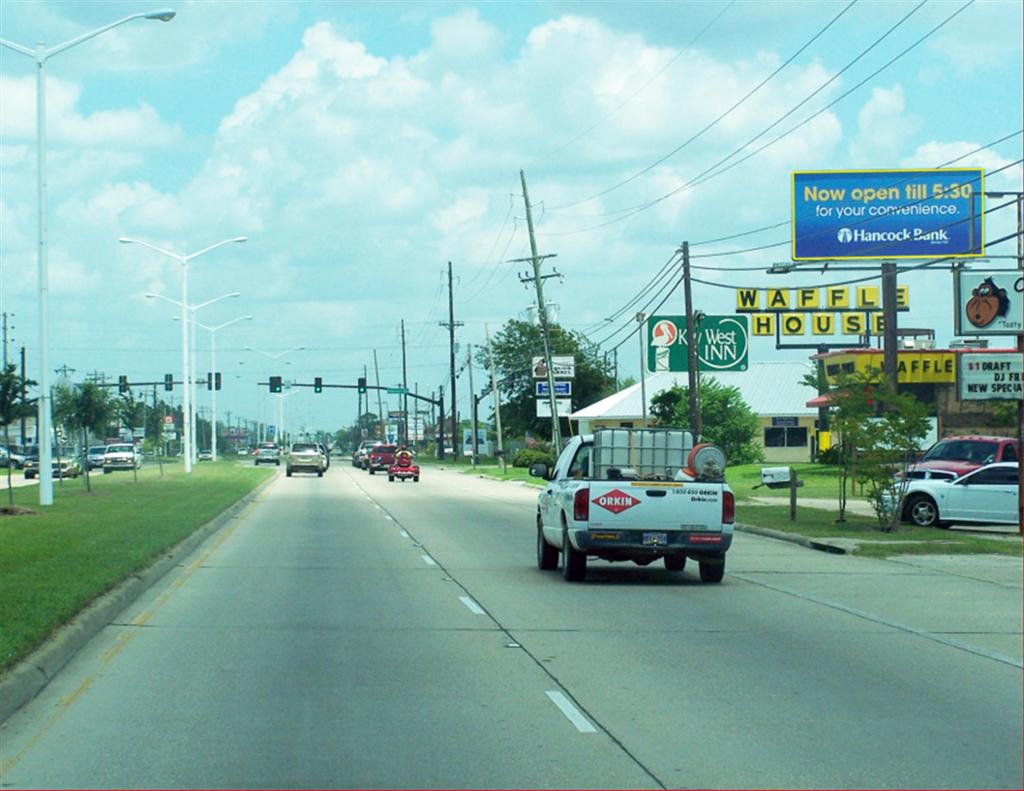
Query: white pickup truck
{"points": [[635, 494]]}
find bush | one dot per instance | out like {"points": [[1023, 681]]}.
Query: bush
{"points": [[529, 456]]}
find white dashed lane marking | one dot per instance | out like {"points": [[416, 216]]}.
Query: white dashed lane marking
{"points": [[472, 605], [571, 712]]}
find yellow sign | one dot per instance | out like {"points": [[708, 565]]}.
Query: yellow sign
{"points": [[812, 300], [912, 366]]}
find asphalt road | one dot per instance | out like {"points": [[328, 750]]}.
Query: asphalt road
{"points": [[350, 632]]}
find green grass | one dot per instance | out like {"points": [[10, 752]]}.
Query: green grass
{"points": [[907, 540], [56, 561], [494, 471], [820, 480]]}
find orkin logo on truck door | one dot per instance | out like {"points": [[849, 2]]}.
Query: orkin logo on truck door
{"points": [[616, 501]]}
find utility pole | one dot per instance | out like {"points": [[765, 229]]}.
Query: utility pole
{"points": [[5, 340], [472, 394], [542, 314], [23, 393], [405, 395], [890, 354], [643, 368], [451, 325], [691, 348], [497, 401], [380, 402]]}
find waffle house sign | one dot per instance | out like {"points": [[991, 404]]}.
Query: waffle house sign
{"points": [[829, 310]]}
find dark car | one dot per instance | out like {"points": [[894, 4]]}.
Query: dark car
{"points": [[952, 457], [381, 457]]}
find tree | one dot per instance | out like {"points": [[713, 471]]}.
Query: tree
{"points": [[12, 407], [87, 408], [880, 432], [728, 421], [514, 347]]}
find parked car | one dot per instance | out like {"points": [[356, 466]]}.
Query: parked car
{"points": [[94, 457], [63, 462], [205, 455], [952, 457], [305, 457], [381, 457], [267, 453], [987, 495], [121, 456]]}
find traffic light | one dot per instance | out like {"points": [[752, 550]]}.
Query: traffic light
{"points": [[275, 384], [318, 384], [122, 384], [362, 384], [216, 381], [168, 381], [209, 380]]}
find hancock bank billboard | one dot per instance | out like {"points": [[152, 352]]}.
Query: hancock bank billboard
{"points": [[888, 214]]}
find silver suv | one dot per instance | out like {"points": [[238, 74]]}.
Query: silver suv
{"points": [[268, 453], [305, 457]]}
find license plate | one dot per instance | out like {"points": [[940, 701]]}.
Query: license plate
{"points": [[655, 539]]}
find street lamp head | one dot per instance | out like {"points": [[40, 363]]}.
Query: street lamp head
{"points": [[163, 14], [150, 295], [240, 239]]}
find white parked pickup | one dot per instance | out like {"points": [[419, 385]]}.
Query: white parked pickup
{"points": [[635, 494]]}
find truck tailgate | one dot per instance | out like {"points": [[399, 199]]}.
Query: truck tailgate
{"points": [[656, 506]]}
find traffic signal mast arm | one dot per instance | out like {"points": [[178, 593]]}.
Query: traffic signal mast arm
{"points": [[418, 396]]}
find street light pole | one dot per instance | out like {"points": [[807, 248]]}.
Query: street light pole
{"points": [[40, 55], [213, 373], [277, 356], [186, 406]]}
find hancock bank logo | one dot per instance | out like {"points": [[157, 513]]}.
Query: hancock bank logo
{"points": [[847, 235]]}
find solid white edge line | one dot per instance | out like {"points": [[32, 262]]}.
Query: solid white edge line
{"points": [[571, 712], [473, 606], [429, 560]]}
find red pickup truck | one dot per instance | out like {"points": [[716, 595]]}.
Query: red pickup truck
{"points": [[955, 456], [381, 457]]}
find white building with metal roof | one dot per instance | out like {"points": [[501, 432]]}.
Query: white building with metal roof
{"points": [[774, 390]]}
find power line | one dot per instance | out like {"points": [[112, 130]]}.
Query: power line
{"points": [[641, 89], [716, 170]]}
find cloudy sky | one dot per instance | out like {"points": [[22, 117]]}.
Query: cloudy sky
{"points": [[361, 146]]}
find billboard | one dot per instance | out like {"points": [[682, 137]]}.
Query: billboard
{"points": [[871, 214], [990, 376], [722, 343], [988, 302], [562, 367]]}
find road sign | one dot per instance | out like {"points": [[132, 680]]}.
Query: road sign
{"points": [[397, 390], [723, 343], [564, 406], [398, 413], [168, 420], [564, 367], [871, 214], [561, 388], [138, 432], [270, 432]]}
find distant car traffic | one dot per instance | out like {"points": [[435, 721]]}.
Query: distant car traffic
{"points": [[305, 457], [325, 454], [362, 452], [121, 456], [94, 457], [267, 453], [12, 455], [63, 462], [205, 455], [987, 495]]}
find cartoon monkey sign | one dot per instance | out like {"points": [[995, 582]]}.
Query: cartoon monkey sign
{"points": [[989, 303]]}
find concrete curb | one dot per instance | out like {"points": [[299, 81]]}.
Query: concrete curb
{"points": [[822, 545], [28, 678]]}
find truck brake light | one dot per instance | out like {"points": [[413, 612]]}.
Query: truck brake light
{"points": [[581, 505], [728, 508]]}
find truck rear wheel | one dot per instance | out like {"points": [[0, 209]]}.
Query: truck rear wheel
{"points": [[547, 555], [574, 562], [675, 562], [712, 570]]}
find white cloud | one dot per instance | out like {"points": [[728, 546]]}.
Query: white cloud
{"points": [[883, 127], [65, 125]]}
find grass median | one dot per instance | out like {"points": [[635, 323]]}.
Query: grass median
{"points": [[870, 541], [55, 560]]}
